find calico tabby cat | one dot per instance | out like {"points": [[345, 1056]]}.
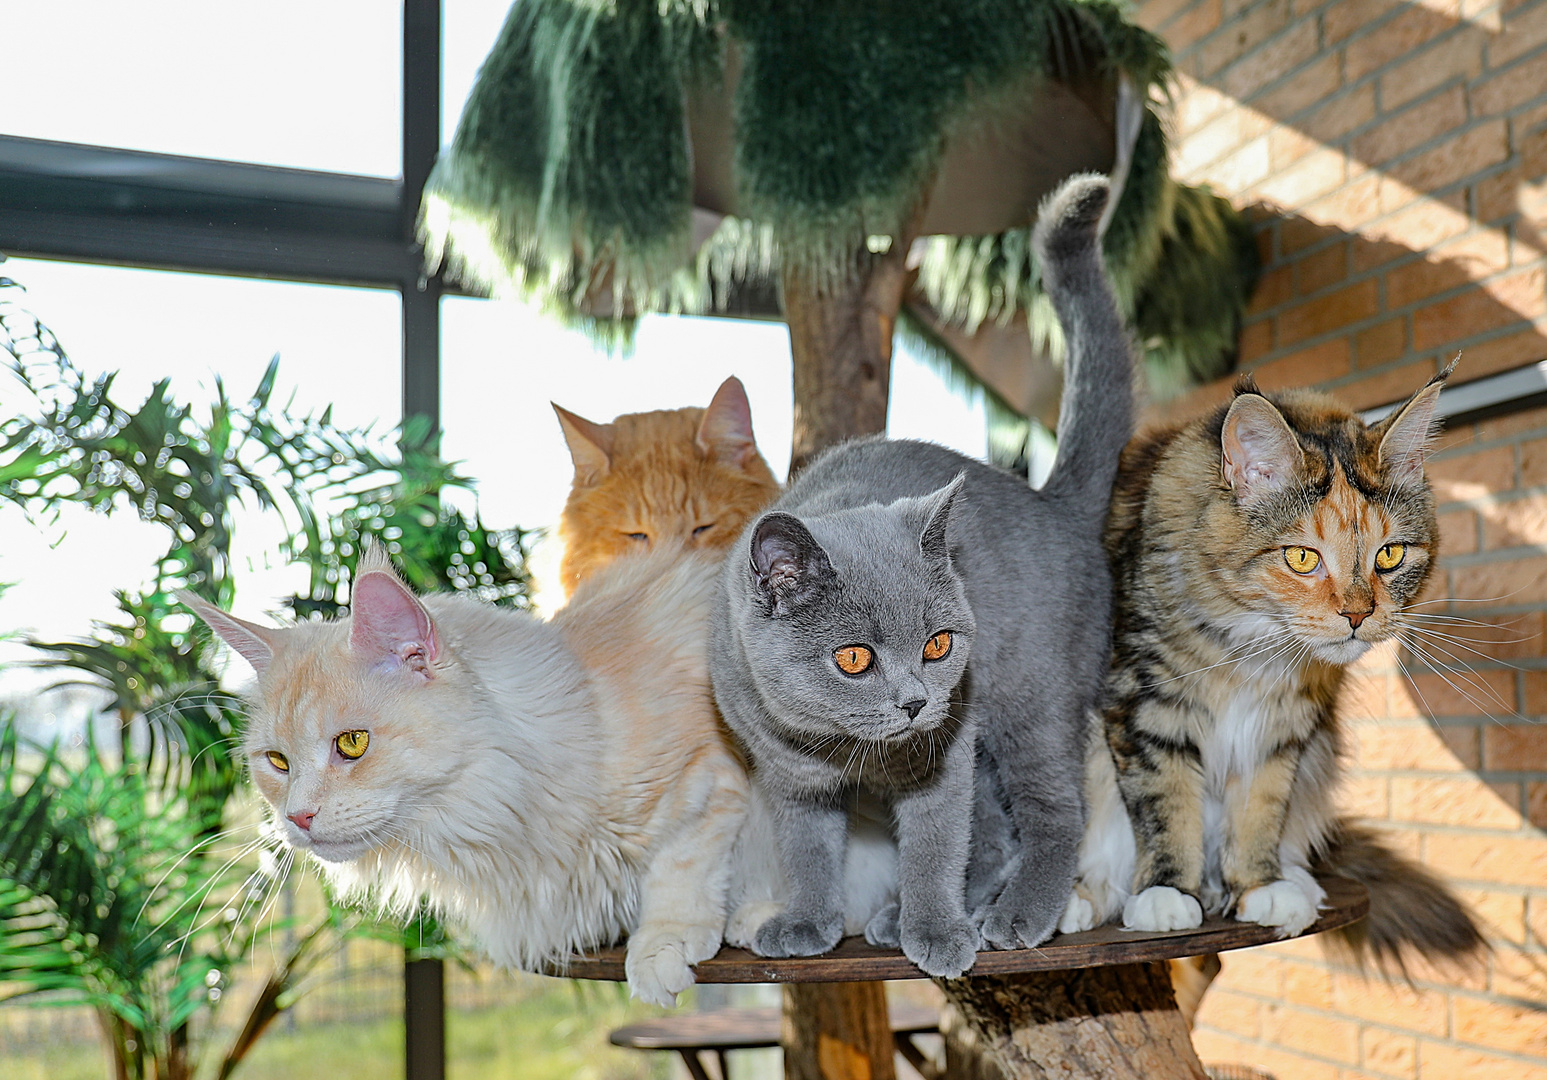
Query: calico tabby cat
{"points": [[1257, 552], [686, 477], [551, 785], [903, 611]]}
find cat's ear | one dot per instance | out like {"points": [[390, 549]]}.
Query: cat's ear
{"points": [[590, 445], [789, 567], [937, 506], [256, 644], [726, 431], [1260, 452], [1409, 431], [389, 627]]}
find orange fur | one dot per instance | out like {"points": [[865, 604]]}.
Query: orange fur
{"points": [[689, 478]]}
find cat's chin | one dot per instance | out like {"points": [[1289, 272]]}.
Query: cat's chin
{"points": [[337, 851], [1343, 651]]}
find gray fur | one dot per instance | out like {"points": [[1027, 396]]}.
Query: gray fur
{"points": [[1023, 583]]}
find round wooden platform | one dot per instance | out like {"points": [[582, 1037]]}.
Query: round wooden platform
{"points": [[855, 961]]}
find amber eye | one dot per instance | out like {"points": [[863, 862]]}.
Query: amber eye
{"points": [[1390, 557], [1302, 560], [352, 744], [938, 647], [638, 538], [278, 760], [854, 659]]}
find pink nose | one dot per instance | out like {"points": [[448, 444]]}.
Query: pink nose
{"points": [[1356, 617], [303, 819]]}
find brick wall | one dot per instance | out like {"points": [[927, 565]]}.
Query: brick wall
{"points": [[1394, 156]]}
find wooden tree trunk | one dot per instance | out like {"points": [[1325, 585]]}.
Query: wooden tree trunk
{"points": [[837, 1031], [841, 338], [1119, 1023]]}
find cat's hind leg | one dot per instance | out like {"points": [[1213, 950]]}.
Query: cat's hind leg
{"points": [[684, 896], [1106, 852]]}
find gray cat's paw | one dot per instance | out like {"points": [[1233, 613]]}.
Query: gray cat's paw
{"points": [[1012, 925], [882, 929], [787, 935], [946, 951]]}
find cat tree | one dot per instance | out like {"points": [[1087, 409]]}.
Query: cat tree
{"points": [[857, 168]]}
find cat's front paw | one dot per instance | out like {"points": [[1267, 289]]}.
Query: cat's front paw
{"points": [[1282, 904], [1160, 908], [1079, 915], [1014, 924], [787, 935], [659, 962], [882, 929], [946, 951], [742, 927]]}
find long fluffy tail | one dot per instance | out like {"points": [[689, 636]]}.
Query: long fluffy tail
{"points": [[1411, 910], [1095, 419]]}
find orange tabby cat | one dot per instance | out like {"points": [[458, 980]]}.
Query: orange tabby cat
{"points": [[680, 477]]}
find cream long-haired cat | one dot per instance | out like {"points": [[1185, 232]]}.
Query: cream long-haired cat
{"points": [[687, 478], [551, 786]]}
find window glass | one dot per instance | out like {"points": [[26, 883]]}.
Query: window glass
{"points": [[337, 347], [287, 82], [468, 30]]}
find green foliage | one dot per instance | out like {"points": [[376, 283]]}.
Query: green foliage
{"points": [[119, 885], [569, 181]]}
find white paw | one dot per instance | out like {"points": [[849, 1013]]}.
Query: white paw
{"points": [[741, 928], [1283, 904], [659, 962], [1079, 914], [1159, 908]]}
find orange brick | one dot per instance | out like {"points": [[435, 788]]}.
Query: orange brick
{"points": [[1503, 913], [1365, 797], [1412, 127], [1473, 473], [1443, 801], [1327, 313], [1522, 34], [1415, 746], [1422, 279], [1493, 857], [1388, 1053], [1352, 205], [1459, 692], [1307, 367], [1253, 27], [1442, 1062], [1519, 975], [1240, 170], [1302, 89], [1517, 522], [1233, 1013], [1503, 637], [1298, 233], [1392, 40], [1223, 135], [1425, 222], [1388, 385], [1458, 56], [1154, 14], [1507, 427], [1285, 1063], [1193, 24], [1511, 88], [1421, 1011], [1536, 918], [1326, 1037], [1341, 115], [1251, 971], [1322, 269], [1503, 1027], [1464, 316], [1382, 343], [1277, 57], [1307, 179], [1511, 581], [1477, 148], [1533, 463], [1344, 18], [1515, 748], [1214, 1046], [1274, 288], [1458, 532], [1536, 803]]}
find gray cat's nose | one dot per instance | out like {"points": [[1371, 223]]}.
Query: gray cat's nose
{"points": [[913, 707]]}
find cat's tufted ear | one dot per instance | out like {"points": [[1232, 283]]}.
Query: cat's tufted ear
{"points": [[389, 627], [590, 445], [1260, 452], [1408, 432], [256, 644], [789, 567], [938, 506], [726, 431]]}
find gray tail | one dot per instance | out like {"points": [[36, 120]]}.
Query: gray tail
{"points": [[1095, 420], [1412, 912]]}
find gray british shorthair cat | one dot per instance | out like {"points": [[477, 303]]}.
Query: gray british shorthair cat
{"points": [[903, 612]]}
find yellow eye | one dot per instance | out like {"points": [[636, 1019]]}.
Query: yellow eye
{"points": [[854, 659], [1390, 557], [938, 647], [352, 744], [1302, 560], [278, 760]]}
